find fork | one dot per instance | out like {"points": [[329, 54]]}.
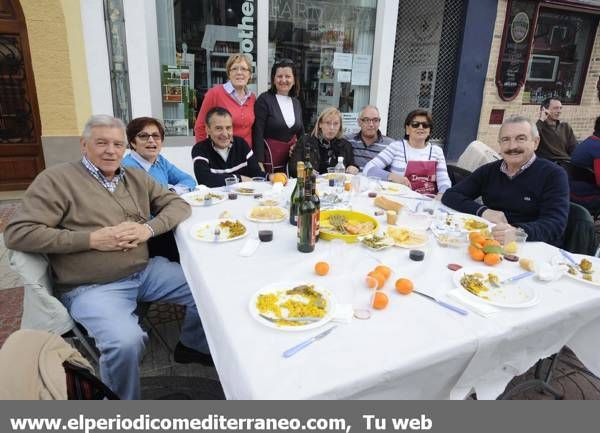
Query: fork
{"points": [[290, 319], [217, 233], [511, 279]]}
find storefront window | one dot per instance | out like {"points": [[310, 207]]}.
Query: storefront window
{"points": [[332, 44], [558, 59], [195, 39]]}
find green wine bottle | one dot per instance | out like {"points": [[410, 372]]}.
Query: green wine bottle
{"points": [[297, 194], [307, 223]]}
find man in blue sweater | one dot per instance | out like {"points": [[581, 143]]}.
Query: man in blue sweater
{"points": [[519, 191]]}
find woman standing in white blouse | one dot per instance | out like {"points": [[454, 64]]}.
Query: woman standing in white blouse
{"points": [[278, 118], [413, 161]]}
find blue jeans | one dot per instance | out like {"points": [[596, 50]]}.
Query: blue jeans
{"points": [[107, 313]]}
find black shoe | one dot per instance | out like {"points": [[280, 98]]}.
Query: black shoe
{"points": [[185, 355]]}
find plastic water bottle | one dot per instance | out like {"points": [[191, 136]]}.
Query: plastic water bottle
{"points": [[340, 172]]}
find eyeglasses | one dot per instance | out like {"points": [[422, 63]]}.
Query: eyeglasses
{"points": [[239, 69], [145, 137], [370, 119], [416, 124]]}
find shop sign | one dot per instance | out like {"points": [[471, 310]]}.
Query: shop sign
{"points": [[515, 47], [247, 29]]}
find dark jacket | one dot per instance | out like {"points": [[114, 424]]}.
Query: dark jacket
{"points": [[211, 170], [269, 123], [323, 154]]}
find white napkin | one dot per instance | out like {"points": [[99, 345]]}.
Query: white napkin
{"points": [[343, 313], [477, 306], [249, 247]]}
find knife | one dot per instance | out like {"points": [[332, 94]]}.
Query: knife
{"points": [[442, 303], [569, 257], [517, 278], [291, 351]]}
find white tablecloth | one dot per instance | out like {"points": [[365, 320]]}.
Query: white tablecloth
{"points": [[414, 349]]}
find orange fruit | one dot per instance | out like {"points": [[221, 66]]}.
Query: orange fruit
{"points": [[379, 277], [404, 286], [371, 282], [386, 271], [476, 237], [280, 177], [475, 253], [492, 259], [380, 300], [321, 268], [491, 243]]}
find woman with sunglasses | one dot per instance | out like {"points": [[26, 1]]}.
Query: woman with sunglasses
{"points": [[278, 122], [326, 145], [145, 136], [413, 161], [234, 96]]}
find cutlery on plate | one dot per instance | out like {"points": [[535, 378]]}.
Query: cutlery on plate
{"points": [[293, 350], [291, 319], [442, 303], [512, 279], [217, 233], [569, 257]]}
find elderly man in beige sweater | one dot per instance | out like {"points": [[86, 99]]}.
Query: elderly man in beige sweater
{"points": [[93, 219]]}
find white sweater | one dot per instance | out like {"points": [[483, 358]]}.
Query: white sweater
{"points": [[392, 159]]}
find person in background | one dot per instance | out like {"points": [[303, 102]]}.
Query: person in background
{"points": [[234, 96], [519, 191], [587, 154], [413, 161], [222, 154], [145, 136], [326, 145], [278, 118], [92, 218], [557, 140], [369, 141]]}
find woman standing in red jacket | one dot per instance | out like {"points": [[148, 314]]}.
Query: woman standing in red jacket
{"points": [[234, 96]]}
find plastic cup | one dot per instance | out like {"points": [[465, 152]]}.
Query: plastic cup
{"points": [[229, 182], [391, 217], [265, 231]]}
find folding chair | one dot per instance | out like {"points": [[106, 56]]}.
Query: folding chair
{"points": [[456, 173], [41, 310]]}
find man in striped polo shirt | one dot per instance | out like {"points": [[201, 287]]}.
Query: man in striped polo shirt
{"points": [[369, 141]]}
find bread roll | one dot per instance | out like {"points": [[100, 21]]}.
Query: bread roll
{"points": [[387, 204]]}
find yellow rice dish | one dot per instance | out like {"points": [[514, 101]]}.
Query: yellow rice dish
{"points": [[301, 301]]}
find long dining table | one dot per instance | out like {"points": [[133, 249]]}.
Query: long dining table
{"points": [[413, 349]]}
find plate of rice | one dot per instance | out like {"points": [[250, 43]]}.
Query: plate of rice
{"points": [[284, 306]]}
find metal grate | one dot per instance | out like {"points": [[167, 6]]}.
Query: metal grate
{"points": [[16, 116], [428, 37]]}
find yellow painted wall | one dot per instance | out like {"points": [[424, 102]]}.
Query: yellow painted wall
{"points": [[58, 60], [581, 117]]}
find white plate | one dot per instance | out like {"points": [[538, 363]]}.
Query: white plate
{"points": [[458, 220], [420, 233], [516, 295], [283, 216], [196, 198], [282, 287], [204, 231], [392, 188], [558, 259], [256, 187], [386, 243]]}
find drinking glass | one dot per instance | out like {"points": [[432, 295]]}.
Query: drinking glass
{"points": [[265, 231], [229, 184], [374, 185]]}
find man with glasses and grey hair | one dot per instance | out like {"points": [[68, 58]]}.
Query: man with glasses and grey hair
{"points": [[369, 141], [93, 220], [520, 191]]}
